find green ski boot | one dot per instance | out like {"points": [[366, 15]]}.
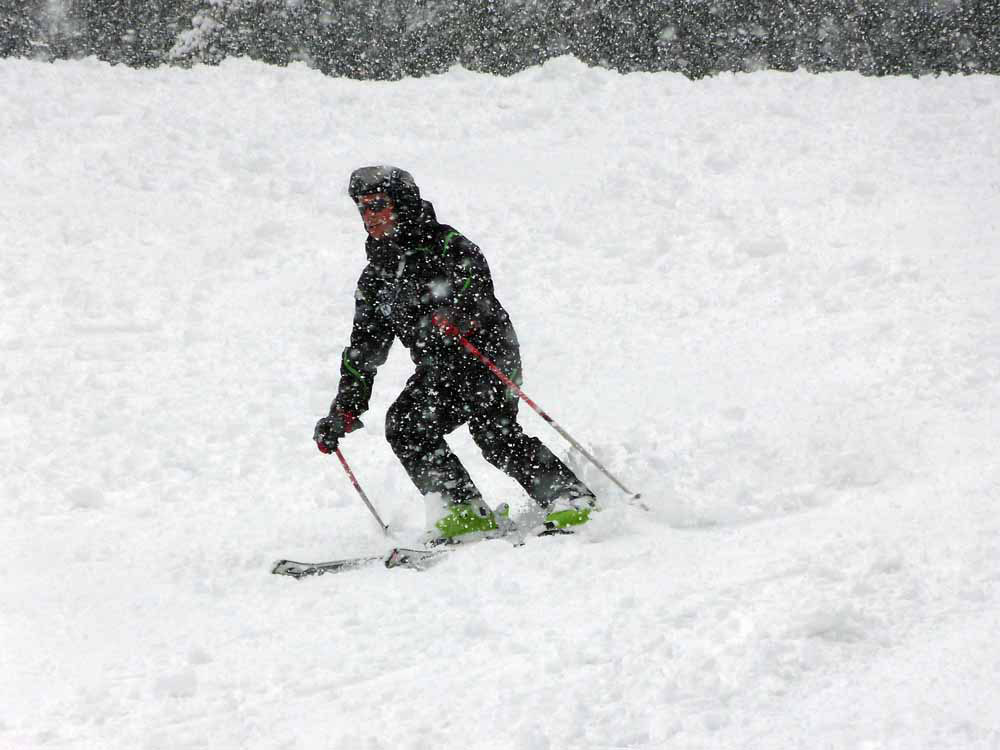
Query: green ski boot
{"points": [[466, 522], [569, 511]]}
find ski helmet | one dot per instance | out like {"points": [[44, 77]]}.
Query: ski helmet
{"points": [[397, 183]]}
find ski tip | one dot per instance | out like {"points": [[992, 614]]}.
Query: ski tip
{"points": [[636, 500], [288, 568]]}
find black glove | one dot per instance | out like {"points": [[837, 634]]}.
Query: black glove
{"points": [[329, 430]]}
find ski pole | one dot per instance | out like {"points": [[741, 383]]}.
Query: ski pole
{"points": [[357, 486], [451, 329]]}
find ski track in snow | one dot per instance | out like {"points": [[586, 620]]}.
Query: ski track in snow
{"points": [[770, 302]]}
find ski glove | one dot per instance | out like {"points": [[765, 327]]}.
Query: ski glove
{"points": [[329, 430], [453, 323]]}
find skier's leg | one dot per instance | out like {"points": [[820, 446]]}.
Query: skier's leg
{"points": [[415, 426], [432, 405], [526, 459]]}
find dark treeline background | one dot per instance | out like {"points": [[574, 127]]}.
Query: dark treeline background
{"points": [[396, 38]]}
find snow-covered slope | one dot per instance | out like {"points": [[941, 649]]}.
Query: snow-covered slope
{"points": [[768, 302]]}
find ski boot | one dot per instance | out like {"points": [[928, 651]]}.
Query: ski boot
{"points": [[572, 509], [470, 521]]}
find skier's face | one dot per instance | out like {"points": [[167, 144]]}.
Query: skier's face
{"points": [[377, 211]]}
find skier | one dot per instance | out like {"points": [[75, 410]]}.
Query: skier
{"points": [[422, 275]]}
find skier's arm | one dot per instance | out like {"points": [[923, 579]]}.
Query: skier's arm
{"points": [[371, 339]]}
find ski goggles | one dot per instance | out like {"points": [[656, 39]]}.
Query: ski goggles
{"points": [[379, 204]]}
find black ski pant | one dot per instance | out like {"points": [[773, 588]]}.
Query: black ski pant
{"points": [[438, 399]]}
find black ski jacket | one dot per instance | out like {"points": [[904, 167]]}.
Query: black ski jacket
{"points": [[428, 269]]}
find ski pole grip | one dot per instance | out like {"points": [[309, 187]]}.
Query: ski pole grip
{"points": [[446, 326]]}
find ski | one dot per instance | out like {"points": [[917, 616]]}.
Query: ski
{"points": [[415, 559], [398, 557], [303, 569]]}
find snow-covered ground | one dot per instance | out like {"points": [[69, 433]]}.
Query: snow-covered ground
{"points": [[768, 302]]}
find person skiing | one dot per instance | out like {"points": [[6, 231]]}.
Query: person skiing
{"points": [[423, 276]]}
